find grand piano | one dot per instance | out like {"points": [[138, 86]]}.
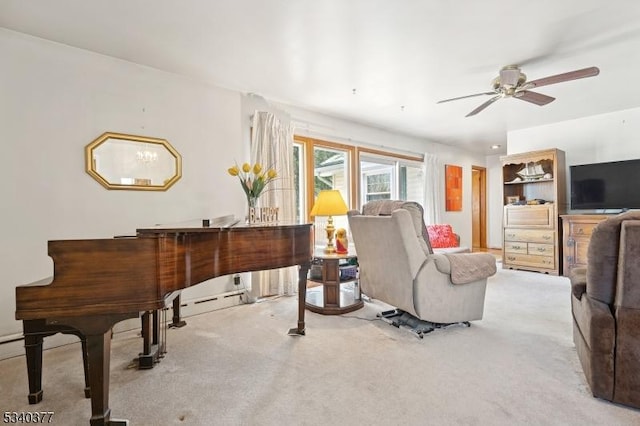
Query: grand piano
{"points": [[98, 283]]}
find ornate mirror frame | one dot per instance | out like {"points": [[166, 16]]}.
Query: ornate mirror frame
{"points": [[121, 161]]}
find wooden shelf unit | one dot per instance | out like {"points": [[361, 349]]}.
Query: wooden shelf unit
{"points": [[531, 232]]}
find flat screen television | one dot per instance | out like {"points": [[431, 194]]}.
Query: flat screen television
{"points": [[612, 185]]}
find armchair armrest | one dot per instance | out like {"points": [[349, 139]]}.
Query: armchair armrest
{"points": [[578, 280], [465, 268]]}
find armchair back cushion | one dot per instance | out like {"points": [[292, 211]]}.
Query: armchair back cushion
{"points": [[602, 257], [386, 207]]}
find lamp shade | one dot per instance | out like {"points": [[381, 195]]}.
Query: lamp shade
{"points": [[329, 203]]}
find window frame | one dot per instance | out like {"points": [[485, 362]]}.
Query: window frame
{"points": [[353, 173]]}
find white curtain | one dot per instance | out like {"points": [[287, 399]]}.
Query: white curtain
{"points": [[272, 146], [433, 188]]}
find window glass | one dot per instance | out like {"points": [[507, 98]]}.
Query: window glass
{"points": [[298, 173], [388, 178], [411, 185], [330, 171]]}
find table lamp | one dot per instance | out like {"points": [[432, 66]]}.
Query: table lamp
{"points": [[329, 203]]}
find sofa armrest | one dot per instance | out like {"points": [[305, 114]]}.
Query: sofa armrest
{"points": [[628, 279], [578, 280]]}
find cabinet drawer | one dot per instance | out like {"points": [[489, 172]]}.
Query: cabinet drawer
{"points": [[529, 216], [529, 235], [517, 259], [581, 229], [538, 249], [515, 247]]}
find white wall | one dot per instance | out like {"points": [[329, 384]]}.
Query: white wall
{"points": [[599, 138], [494, 201], [595, 139], [55, 100]]}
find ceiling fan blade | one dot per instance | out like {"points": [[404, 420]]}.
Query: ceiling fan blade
{"points": [[567, 76], [483, 106], [468, 96], [534, 98]]}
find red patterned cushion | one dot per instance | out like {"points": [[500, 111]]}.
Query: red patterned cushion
{"points": [[441, 236]]}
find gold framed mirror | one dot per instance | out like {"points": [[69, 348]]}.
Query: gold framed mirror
{"points": [[120, 161]]}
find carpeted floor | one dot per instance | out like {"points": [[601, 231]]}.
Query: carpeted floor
{"points": [[237, 366]]}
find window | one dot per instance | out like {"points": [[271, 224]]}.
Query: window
{"points": [[384, 176], [360, 174], [298, 173], [377, 186]]}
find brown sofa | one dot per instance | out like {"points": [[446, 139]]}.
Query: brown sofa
{"points": [[605, 304]]}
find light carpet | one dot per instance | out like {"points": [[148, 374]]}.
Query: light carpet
{"points": [[237, 366]]}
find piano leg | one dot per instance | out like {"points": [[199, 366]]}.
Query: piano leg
{"points": [[97, 331], [177, 322], [33, 350], [99, 351], [34, 333], [151, 348], [85, 362], [302, 299]]}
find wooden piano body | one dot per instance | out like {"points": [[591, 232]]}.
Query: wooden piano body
{"points": [[98, 283]]}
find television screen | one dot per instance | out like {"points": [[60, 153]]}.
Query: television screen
{"points": [[612, 185]]}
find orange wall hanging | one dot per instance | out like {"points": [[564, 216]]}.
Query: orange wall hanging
{"points": [[453, 188]]}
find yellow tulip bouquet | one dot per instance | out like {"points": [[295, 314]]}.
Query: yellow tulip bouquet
{"points": [[252, 179]]}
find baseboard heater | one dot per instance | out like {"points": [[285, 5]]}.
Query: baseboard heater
{"points": [[192, 307]]}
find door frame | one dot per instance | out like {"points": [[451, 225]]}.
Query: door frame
{"points": [[482, 207]]}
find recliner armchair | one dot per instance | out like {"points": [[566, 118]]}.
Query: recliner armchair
{"points": [[397, 266], [605, 305]]}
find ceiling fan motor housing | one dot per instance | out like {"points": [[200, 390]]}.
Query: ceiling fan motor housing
{"points": [[510, 78]]}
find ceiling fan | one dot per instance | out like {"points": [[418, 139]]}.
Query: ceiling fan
{"points": [[512, 83]]}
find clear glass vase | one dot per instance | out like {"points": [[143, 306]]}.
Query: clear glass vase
{"points": [[252, 203]]}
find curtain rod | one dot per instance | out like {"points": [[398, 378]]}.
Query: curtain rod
{"points": [[305, 125], [334, 138]]}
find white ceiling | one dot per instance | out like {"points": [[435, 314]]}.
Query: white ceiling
{"points": [[400, 56]]}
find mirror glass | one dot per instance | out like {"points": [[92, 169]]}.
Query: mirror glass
{"points": [[120, 161]]}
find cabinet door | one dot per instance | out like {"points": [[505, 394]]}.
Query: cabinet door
{"points": [[529, 216], [580, 247]]}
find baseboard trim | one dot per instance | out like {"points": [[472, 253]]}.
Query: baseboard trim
{"points": [[12, 345]]}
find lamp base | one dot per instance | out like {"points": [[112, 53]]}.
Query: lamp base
{"points": [[329, 250]]}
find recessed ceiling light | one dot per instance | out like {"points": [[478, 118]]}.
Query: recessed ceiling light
{"points": [[495, 146]]}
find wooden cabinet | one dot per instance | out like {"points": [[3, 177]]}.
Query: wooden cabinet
{"points": [[534, 195], [576, 234]]}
